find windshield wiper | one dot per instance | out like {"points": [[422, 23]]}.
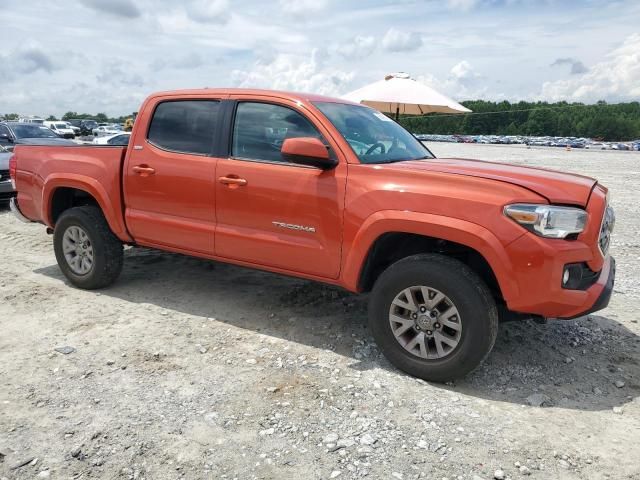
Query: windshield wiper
{"points": [[396, 160]]}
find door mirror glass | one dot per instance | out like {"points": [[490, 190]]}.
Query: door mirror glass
{"points": [[307, 151]]}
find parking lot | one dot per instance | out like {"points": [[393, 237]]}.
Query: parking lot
{"points": [[192, 369]]}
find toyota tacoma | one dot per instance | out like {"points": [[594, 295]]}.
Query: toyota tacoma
{"points": [[336, 192]]}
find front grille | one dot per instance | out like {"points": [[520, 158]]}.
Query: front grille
{"points": [[608, 222], [4, 176]]}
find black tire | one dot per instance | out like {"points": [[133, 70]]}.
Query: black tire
{"points": [[469, 294], [107, 249]]}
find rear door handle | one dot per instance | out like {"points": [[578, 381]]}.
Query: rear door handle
{"points": [[143, 170], [241, 182]]}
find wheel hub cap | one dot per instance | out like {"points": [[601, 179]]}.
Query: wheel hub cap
{"points": [[78, 250], [425, 322]]}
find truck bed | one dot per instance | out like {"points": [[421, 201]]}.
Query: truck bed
{"points": [[44, 171]]}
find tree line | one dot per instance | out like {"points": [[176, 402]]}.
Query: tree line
{"points": [[98, 117], [619, 121], [604, 121]]}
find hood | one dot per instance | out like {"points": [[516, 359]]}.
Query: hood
{"points": [[557, 187], [44, 141]]}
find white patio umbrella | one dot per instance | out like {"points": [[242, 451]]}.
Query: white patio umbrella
{"points": [[400, 94]]}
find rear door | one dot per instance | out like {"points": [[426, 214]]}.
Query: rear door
{"points": [[169, 182], [269, 211]]}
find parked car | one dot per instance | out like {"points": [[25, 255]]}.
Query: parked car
{"points": [[76, 130], [86, 126], [14, 133], [6, 186], [118, 139], [331, 191], [37, 120], [61, 129], [105, 130]]}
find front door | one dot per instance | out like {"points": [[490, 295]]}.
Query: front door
{"points": [[274, 213], [169, 178]]}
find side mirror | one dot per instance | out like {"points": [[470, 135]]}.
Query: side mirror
{"points": [[5, 137], [307, 151]]}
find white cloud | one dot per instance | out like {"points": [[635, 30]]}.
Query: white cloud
{"points": [[462, 82], [208, 11], [464, 5], [359, 47], [616, 78], [401, 41], [302, 8], [294, 72], [464, 73]]}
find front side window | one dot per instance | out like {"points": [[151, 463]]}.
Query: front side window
{"points": [[186, 126], [261, 128], [373, 136]]}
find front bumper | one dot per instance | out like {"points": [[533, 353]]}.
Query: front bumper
{"points": [[536, 271], [605, 295], [13, 205]]}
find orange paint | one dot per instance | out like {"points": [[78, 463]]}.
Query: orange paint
{"points": [[320, 223]]}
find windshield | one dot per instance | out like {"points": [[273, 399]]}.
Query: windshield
{"points": [[61, 125], [373, 136], [32, 131]]}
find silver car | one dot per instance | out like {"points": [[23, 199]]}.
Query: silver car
{"points": [[6, 188]]}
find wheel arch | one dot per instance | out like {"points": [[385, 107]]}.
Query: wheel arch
{"points": [[62, 193], [389, 236]]}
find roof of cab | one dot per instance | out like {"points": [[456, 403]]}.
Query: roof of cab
{"points": [[295, 96]]}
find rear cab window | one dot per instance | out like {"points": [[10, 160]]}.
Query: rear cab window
{"points": [[185, 126]]}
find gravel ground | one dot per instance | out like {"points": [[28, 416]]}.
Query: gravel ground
{"points": [[192, 369]]}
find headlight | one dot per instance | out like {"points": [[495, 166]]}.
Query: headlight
{"points": [[547, 220]]}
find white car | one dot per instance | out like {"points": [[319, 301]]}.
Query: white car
{"points": [[105, 130], [76, 130], [61, 129], [121, 139]]}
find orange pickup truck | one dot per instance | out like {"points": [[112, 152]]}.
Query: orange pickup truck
{"points": [[336, 192]]}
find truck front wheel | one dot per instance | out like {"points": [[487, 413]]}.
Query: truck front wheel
{"points": [[87, 251], [433, 317]]}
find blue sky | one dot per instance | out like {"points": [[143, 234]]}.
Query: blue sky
{"points": [[107, 55]]}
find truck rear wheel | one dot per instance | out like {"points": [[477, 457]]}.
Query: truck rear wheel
{"points": [[87, 251], [433, 317]]}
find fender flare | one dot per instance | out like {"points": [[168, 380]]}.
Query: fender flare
{"points": [[455, 230], [92, 187]]}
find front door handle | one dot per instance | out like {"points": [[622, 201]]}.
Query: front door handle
{"points": [[241, 182], [143, 170]]}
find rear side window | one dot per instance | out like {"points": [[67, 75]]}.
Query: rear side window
{"points": [[186, 126]]}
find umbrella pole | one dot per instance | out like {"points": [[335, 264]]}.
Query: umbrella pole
{"points": [[397, 112]]}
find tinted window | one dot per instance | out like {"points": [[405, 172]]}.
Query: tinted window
{"points": [[32, 130], [119, 140], [184, 126], [4, 130], [261, 128]]}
